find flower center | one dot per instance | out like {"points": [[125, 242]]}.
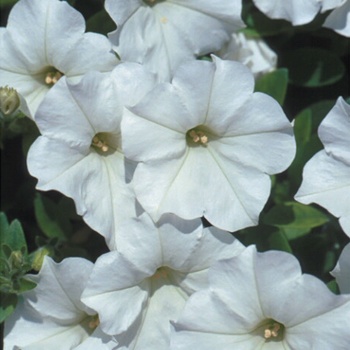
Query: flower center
{"points": [[152, 2], [94, 322], [270, 330], [160, 273], [198, 136], [273, 330], [104, 143], [52, 76]]}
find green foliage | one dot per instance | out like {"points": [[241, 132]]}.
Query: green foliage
{"points": [[294, 219], [7, 2], [313, 67], [274, 84], [14, 264], [259, 25], [51, 217], [101, 23]]}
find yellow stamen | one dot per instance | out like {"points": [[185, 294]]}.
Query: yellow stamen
{"points": [[53, 77], [198, 136], [94, 322], [272, 331], [100, 144]]}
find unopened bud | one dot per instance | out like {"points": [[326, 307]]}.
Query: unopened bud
{"points": [[39, 258], [16, 259], [9, 100]]}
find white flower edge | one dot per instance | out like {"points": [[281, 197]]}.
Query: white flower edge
{"points": [[153, 264], [52, 312], [339, 19], [170, 32], [257, 297], [298, 12], [251, 139], [341, 272], [55, 42], [65, 159], [252, 52], [326, 176]]}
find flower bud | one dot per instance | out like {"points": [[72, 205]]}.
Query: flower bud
{"points": [[16, 259], [39, 258], [9, 100]]}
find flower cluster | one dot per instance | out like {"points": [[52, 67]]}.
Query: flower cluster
{"points": [[171, 157]]}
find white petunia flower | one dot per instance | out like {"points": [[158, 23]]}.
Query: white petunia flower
{"points": [[45, 40], [326, 176], [51, 316], [138, 289], [79, 152], [263, 301], [339, 18], [297, 12], [341, 271], [207, 144], [252, 52], [164, 33]]}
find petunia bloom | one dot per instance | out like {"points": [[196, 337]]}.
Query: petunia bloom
{"points": [[164, 33], [341, 272], [53, 314], [252, 52], [326, 176], [206, 145], [43, 41], [80, 153], [138, 289], [339, 18], [297, 12], [263, 301]]}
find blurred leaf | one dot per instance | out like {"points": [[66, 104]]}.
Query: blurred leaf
{"points": [[101, 23], [8, 304], [333, 287], [7, 2], [259, 24], [4, 224], [50, 218], [295, 219], [13, 237], [313, 67], [265, 237], [274, 84], [26, 285]]}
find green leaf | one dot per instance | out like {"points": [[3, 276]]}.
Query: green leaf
{"points": [[13, 237], [333, 287], [313, 67], [49, 217], [101, 23], [265, 237], [8, 304], [274, 84], [295, 219], [7, 2], [260, 25], [26, 285]]}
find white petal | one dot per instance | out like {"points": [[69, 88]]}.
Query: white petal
{"points": [[326, 181], [116, 291], [259, 136], [52, 312], [334, 131], [342, 270], [339, 20], [296, 11]]}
